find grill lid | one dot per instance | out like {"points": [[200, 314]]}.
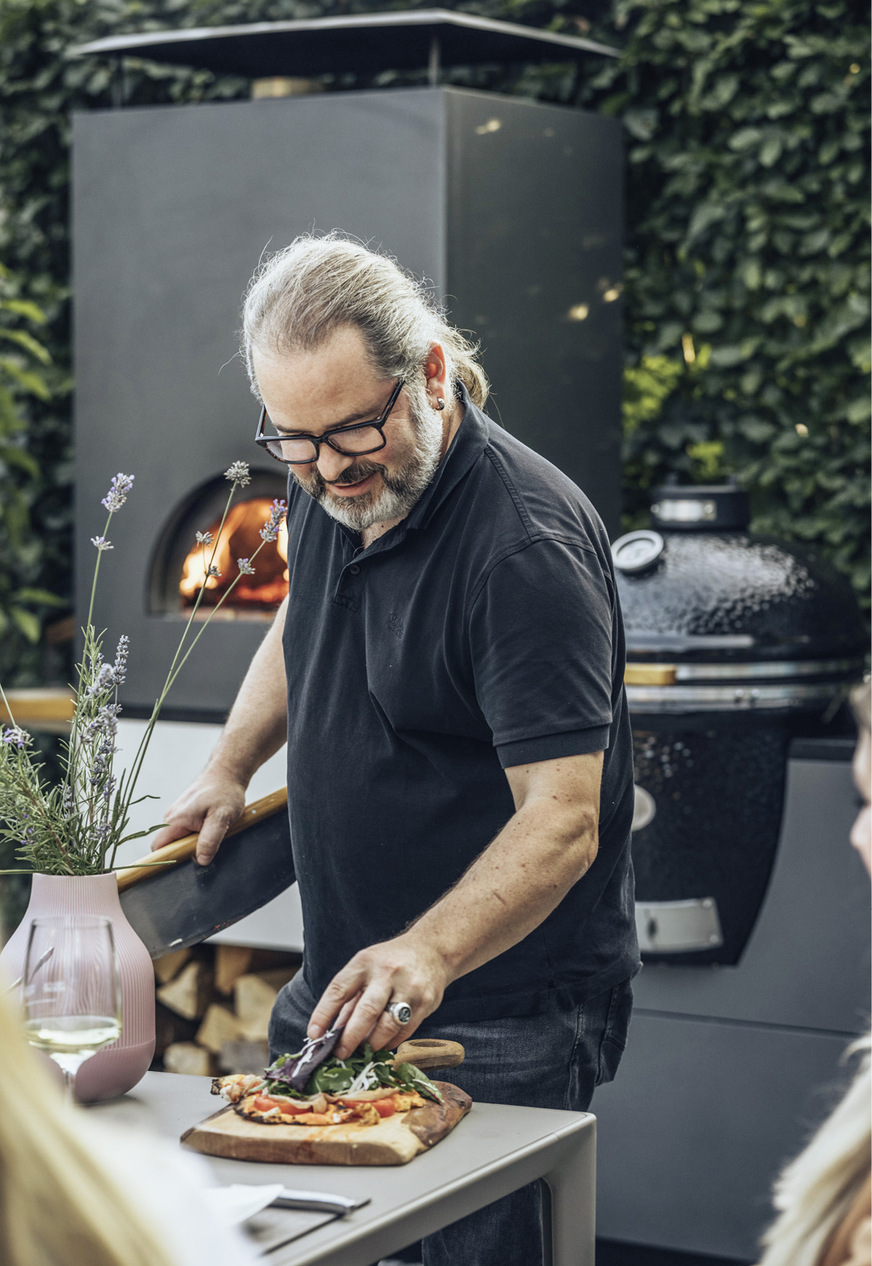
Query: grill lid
{"points": [[718, 618]]}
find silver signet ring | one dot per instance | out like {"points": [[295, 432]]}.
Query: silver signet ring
{"points": [[401, 1011]]}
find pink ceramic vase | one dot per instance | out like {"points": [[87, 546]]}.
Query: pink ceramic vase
{"points": [[117, 1068]]}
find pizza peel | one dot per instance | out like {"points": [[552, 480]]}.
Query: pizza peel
{"points": [[173, 906]]}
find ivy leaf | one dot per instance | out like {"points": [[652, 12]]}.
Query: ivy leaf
{"points": [[41, 596], [756, 428], [641, 123], [746, 138], [770, 151], [27, 623], [704, 216], [858, 410], [21, 460], [25, 308], [727, 356], [28, 342], [26, 380]]}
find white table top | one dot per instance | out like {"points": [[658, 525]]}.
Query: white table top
{"points": [[494, 1150]]}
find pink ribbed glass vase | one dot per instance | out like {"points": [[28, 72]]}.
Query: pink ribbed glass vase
{"points": [[117, 1068]]}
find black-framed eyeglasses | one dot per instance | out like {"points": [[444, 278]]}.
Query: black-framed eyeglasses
{"points": [[352, 441]]}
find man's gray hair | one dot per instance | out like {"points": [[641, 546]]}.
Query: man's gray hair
{"points": [[301, 295]]}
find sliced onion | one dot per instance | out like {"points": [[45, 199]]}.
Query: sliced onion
{"points": [[367, 1096], [312, 1103]]}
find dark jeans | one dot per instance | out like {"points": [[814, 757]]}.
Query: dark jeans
{"points": [[552, 1060]]}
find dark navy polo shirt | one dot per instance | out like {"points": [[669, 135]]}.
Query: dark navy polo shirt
{"points": [[482, 632]]}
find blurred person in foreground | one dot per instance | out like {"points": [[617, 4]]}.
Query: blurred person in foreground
{"points": [[823, 1196], [447, 672], [74, 1192]]}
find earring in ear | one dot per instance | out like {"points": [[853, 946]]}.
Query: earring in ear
{"points": [[440, 403]]}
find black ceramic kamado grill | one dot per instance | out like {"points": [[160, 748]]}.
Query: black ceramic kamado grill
{"points": [[736, 644]]}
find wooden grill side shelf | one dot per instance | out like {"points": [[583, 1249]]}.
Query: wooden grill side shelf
{"points": [[47, 708]]}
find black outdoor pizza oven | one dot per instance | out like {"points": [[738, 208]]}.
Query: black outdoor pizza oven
{"points": [[736, 645]]}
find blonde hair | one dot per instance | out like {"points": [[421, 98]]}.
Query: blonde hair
{"points": [[59, 1206], [861, 704], [816, 1191], [301, 295]]}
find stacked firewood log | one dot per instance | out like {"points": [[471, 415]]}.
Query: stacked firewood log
{"points": [[213, 1007]]}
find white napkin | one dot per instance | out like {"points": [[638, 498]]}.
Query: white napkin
{"points": [[237, 1203]]}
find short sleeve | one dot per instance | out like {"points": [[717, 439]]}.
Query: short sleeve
{"points": [[541, 648]]}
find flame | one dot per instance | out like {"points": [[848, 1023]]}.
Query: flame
{"points": [[239, 539]]}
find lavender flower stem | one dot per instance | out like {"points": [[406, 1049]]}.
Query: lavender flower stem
{"points": [[96, 572], [176, 666], [12, 720], [175, 669]]}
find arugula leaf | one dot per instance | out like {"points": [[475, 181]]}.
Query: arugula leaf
{"points": [[331, 1079], [416, 1079], [372, 1069]]}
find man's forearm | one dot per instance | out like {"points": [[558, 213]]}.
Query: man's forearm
{"points": [[257, 724], [512, 886]]}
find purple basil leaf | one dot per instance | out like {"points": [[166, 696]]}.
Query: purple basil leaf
{"points": [[295, 1073]]}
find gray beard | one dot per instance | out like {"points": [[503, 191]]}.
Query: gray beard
{"points": [[400, 491]]}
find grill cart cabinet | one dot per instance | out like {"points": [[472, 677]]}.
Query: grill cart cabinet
{"points": [[751, 906], [728, 1068]]}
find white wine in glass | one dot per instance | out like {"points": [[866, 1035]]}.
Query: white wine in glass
{"points": [[71, 990]]}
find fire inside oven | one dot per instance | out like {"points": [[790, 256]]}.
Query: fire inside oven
{"points": [[239, 538], [181, 562]]}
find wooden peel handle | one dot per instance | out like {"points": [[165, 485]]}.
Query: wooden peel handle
{"points": [[430, 1052], [183, 849]]}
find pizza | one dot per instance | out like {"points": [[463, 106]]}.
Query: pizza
{"points": [[250, 1098], [374, 1108], [363, 1090]]}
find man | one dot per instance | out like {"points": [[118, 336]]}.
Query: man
{"points": [[447, 671]]}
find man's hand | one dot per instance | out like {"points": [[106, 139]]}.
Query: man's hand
{"points": [[401, 970], [211, 805]]}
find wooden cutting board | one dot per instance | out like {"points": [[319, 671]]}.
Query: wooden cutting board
{"points": [[394, 1141]]}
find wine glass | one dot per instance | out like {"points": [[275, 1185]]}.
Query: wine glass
{"points": [[71, 990]]}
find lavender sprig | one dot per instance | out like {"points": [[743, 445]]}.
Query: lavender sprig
{"points": [[118, 492], [238, 474], [270, 529]]}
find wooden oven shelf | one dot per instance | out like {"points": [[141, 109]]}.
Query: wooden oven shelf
{"points": [[48, 708]]}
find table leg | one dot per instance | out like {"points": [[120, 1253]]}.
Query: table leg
{"points": [[569, 1204]]}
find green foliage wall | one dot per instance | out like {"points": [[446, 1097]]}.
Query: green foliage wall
{"points": [[23, 364], [747, 264], [746, 289]]}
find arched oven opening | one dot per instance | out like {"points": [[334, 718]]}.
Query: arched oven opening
{"points": [[179, 561]]}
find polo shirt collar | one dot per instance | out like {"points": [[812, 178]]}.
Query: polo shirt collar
{"points": [[469, 442]]}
